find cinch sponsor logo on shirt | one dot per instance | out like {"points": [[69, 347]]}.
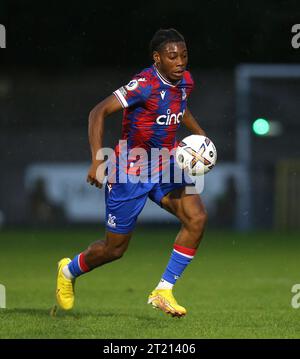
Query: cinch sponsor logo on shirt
{"points": [[170, 118]]}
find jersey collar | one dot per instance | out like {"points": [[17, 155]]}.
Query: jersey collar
{"points": [[163, 79]]}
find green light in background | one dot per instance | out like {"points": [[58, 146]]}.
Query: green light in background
{"points": [[261, 126]]}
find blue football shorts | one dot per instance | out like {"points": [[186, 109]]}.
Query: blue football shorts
{"points": [[125, 201]]}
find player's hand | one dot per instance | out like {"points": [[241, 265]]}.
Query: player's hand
{"points": [[96, 174]]}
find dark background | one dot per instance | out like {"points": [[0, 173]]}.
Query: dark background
{"points": [[64, 57], [74, 34]]}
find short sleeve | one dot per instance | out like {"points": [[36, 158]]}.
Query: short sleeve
{"points": [[135, 92]]}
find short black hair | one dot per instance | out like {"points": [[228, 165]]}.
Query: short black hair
{"points": [[162, 37]]}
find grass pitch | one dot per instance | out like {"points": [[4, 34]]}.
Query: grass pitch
{"points": [[238, 286]]}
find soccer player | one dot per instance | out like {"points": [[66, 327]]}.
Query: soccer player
{"points": [[154, 103]]}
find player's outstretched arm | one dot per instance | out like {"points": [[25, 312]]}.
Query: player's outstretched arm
{"points": [[96, 131], [191, 123]]}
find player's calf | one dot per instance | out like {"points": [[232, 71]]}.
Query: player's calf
{"points": [[97, 254], [102, 252], [192, 230], [196, 226]]}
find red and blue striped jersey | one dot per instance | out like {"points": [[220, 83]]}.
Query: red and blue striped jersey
{"points": [[153, 109]]}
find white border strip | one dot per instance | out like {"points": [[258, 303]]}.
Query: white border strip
{"points": [[121, 98], [79, 263], [165, 81], [183, 254]]}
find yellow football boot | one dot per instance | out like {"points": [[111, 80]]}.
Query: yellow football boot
{"points": [[163, 299], [65, 287]]}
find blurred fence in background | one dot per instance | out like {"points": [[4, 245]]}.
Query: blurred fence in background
{"points": [[45, 151]]}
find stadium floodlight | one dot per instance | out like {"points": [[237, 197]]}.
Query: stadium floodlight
{"points": [[264, 127], [261, 127]]}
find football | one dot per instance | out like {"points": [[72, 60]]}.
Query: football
{"points": [[197, 154]]}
